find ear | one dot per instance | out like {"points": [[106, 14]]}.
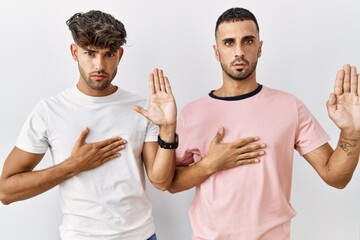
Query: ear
{"points": [[260, 49], [216, 51], [121, 52], [74, 51]]}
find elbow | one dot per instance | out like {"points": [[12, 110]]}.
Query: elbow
{"points": [[339, 184], [5, 201], [172, 190], [5, 198], [162, 186]]}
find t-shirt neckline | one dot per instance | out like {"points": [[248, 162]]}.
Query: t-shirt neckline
{"points": [[236, 98]]}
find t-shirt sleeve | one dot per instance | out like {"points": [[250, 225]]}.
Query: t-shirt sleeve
{"points": [[310, 135], [33, 135], [152, 132]]}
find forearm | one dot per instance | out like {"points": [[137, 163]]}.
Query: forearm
{"points": [[162, 169], [25, 185], [190, 176], [343, 160]]}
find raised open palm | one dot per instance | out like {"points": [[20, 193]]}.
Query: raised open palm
{"points": [[344, 104], [162, 110]]}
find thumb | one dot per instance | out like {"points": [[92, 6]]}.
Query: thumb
{"points": [[331, 103], [219, 135], [83, 136], [140, 110]]}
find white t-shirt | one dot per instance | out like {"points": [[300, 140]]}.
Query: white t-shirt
{"points": [[250, 202], [108, 202]]}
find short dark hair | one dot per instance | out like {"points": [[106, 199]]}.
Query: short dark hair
{"points": [[97, 29], [236, 14]]}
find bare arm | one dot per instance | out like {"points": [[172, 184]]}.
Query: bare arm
{"points": [[337, 167], [160, 168], [160, 162], [18, 181], [221, 156]]}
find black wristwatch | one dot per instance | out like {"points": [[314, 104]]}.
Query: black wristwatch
{"points": [[166, 145]]}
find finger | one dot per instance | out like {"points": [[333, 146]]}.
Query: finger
{"points": [[167, 85], [113, 142], [358, 84], [219, 135], [161, 79], [347, 77], [141, 110], [113, 148], [250, 149], [243, 141], [156, 80], [251, 153], [110, 157], [151, 84], [248, 161], [338, 88], [353, 80], [83, 135]]}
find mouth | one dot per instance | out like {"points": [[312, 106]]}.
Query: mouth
{"points": [[98, 76], [239, 66]]}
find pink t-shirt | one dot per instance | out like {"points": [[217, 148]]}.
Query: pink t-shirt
{"points": [[250, 202]]}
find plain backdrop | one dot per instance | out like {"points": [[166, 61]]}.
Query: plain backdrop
{"points": [[305, 43]]}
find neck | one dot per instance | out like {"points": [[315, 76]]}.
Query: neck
{"points": [[232, 88], [84, 88]]}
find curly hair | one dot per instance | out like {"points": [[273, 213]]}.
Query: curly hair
{"points": [[97, 29], [236, 14]]}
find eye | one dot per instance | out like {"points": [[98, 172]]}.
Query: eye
{"points": [[110, 54], [228, 43], [90, 53], [249, 41]]}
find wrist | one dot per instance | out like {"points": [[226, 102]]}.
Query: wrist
{"points": [[349, 135], [167, 132], [206, 168], [169, 145], [70, 167]]}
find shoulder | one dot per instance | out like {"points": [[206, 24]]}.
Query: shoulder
{"points": [[123, 95], [197, 104], [277, 92], [277, 95], [67, 93]]}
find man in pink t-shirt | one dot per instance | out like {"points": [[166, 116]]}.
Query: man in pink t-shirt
{"points": [[242, 194]]}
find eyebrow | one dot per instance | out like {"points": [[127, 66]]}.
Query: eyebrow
{"points": [[249, 37], [243, 38], [228, 39], [96, 51], [90, 50]]}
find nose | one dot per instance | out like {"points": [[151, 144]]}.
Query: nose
{"points": [[239, 51], [99, 63]]}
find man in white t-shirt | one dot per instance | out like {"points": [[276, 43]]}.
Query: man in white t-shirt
{"points": [[252, 201], [100, 172]]}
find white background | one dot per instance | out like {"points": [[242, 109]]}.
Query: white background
{"points": [[305, 43]]}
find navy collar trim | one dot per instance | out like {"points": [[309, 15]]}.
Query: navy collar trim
{"points": [[235, 98]]}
